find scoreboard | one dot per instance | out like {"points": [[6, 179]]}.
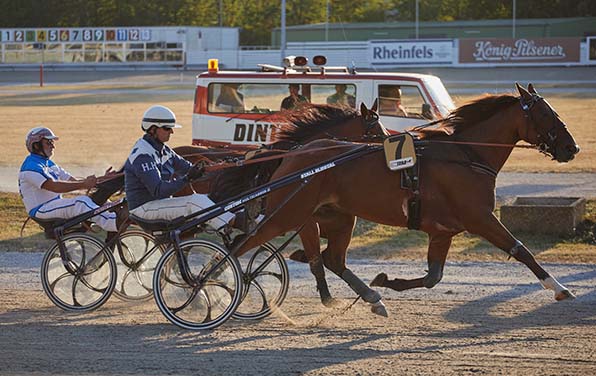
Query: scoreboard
{"points": [[75, 35], [116, 45]]}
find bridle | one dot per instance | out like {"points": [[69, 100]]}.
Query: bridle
{"points": [[372, 122], [545, 141]]}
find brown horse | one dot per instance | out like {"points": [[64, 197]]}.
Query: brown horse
{"points": [[457, 188]]}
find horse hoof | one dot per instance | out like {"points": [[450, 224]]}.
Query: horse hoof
{"points": [[378, 308], [379, 280], [330, 302], [299, 255], [564, 294]]}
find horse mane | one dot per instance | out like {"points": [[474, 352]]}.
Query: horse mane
{"points": [[310, 120], [468, 115]]}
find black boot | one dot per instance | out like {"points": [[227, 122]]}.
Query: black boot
{"points": [[242, 221]]}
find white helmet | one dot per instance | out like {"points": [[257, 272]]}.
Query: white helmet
{"points": [[160, 116], [37, 134]]}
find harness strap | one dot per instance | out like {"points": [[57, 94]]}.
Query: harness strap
{"points": [[476, 161]]}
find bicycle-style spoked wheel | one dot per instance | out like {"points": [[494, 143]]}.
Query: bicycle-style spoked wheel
{"points": [[136, 255], [265, 279], [212, 297], [88, 278]]}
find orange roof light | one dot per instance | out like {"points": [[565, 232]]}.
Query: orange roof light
{"points": [[213, 65]]}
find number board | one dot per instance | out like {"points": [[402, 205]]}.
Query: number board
{"points": [[76, 35], [110, 35], [53, 36], [145, 34], [41, 35], [30, 36], [87, 35], [133, 34], [64, 36], [121, 34], [6, 36], [98, 35]]}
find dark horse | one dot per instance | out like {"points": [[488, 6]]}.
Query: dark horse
{"points": [[457, 188]]}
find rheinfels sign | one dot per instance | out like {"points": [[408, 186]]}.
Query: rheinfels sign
{"points": [[522, 50], [410, 52]]}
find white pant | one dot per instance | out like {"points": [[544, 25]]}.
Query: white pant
{"points": [[71, 207], [174, 207]]}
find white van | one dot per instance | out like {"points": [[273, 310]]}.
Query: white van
{"points": [[240, 107]]}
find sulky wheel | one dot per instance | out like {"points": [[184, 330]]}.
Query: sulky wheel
{"points": [[213, 295], [266, 281], [84, 280], [136, 255]]}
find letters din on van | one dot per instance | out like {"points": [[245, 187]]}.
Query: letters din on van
{"points": [[252, 132]]}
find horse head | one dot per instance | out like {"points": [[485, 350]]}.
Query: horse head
{"points": [[373, 127], [544, 128]]}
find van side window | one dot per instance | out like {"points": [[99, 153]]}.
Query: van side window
{"points": [[403, 101], [334, 94], [244, 97], [226, 98]]}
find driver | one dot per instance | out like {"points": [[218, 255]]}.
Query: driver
{"points": [[41, 183], [154, 172]]}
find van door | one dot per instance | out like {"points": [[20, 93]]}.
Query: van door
{"points": [[402, 105]]}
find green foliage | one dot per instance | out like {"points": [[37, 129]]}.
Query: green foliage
{"points": [[257, 18]]}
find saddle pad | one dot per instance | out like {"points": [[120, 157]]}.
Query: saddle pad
{"points": [[399, 151]]}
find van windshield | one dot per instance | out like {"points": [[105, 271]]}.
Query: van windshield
{"points": [[232, 97]]}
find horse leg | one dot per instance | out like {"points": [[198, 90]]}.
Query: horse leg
{"points": [[312, 252], [493, 230], [335, 260], [438, 246]]}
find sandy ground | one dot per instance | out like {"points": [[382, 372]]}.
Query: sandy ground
{"points": [[484, 318]]}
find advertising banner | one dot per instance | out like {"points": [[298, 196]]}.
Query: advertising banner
{"points": [[410, 52], [522, 50]]}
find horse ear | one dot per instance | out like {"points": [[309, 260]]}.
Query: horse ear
{"points": [[531, 89], [363, 109], [523, 92], [375, 105]]}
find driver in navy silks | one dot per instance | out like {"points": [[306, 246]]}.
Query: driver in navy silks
{"points": [[154, 172]]}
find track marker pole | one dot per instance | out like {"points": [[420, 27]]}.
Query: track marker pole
{"points": [[41, 75]]}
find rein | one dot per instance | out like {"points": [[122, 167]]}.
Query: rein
{"points": [[285, 154]]}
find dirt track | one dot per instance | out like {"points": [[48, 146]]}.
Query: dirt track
{"points": [[484, 318]]}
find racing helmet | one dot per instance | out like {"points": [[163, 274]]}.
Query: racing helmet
{"points": [[159, 116], [36, 135]]}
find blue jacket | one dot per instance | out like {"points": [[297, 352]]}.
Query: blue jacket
{"points": [[149, 172]]}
